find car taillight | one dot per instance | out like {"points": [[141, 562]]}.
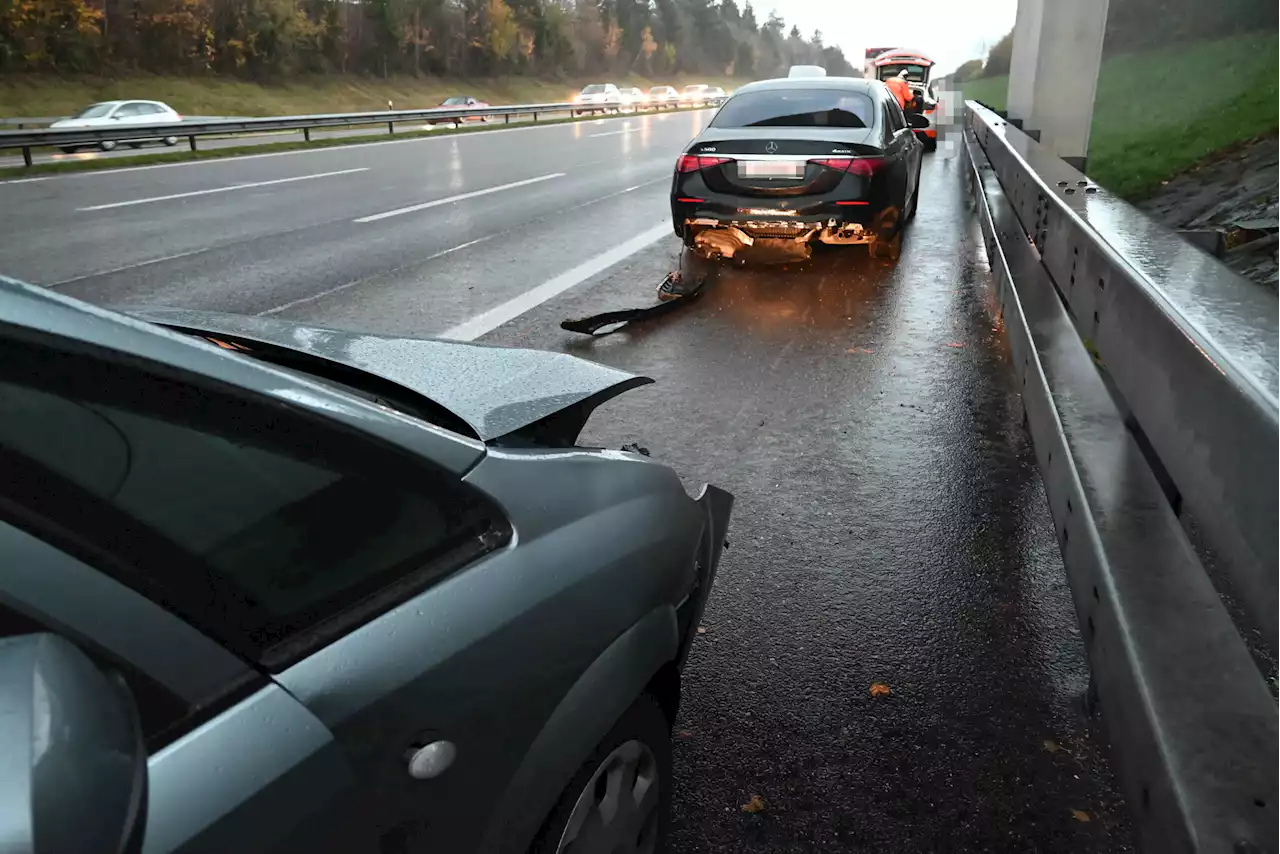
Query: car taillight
{"points": [[179, 117], [694, 162], [861, 166]]}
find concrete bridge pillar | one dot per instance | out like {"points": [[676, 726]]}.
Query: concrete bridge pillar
{"points": [[1053, 75]]}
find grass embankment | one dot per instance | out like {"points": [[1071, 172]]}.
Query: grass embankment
{"points": [[44, 95], [1160, 112]]}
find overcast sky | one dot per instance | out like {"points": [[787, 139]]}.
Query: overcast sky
{"points": [[948, 31]]}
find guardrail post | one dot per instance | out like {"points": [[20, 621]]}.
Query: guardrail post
{"points": [[506, 120], [192, 141], [306, 134], [26, 155], [391, 127]]}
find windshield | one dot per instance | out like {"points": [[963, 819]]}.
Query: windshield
{"points": [[594, 89], [696, 87], [915, 73], [797, 108], [95, 111], [455, 102]]}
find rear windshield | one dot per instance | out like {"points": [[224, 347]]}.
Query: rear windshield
{"points": [[915, 73], [797, 108], [593, 89], [94, 111]]}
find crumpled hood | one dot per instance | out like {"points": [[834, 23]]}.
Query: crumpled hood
{"points": [[497, 391]]}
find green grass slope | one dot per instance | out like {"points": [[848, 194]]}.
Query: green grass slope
{"points": [[1160, 112]]}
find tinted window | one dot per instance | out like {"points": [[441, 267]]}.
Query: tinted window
{"points": [[130, 110], [897, 120], [256, 523], [454, 102], [796, 108]]}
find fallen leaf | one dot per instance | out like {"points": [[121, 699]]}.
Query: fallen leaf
{"points": [[1051, 746], [1080, 815], [755, 805], [879, 689], [955, 344], [702, 630]]}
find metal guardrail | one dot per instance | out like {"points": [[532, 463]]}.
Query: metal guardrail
{"points": [[30, 122], [193, 130], [1184, 424]]}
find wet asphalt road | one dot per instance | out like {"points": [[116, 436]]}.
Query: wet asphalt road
{"points": [[890, 525]]}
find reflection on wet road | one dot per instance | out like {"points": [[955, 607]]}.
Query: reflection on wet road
{"points": [[890, 527]]}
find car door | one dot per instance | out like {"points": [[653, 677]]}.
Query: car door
{"points": [[350, 575], [902, 152]]}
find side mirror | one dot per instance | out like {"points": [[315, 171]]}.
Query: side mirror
{"points": [[73, 764], [915, 121]]}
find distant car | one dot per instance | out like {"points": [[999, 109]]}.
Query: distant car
{"points": [[664, 96], [790, 162], [598, 98], [455, 103], [270, 587], [714, 96], [633, 97], [694, 94], [122, 114]]}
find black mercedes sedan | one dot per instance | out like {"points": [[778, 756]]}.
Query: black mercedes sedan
{"points": [[790, 162]]}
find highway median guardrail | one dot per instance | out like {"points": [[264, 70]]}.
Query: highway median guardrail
{"points": [[27, 139], [1148, 372]]}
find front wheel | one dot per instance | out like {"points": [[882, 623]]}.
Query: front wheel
{"points": [[170, 141], [107, 145], [620, 798]]}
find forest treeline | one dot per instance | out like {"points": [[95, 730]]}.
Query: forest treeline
{"points": [[273, 39]]}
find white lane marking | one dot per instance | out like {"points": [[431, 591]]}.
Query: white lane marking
{"points": [[472, 329], [228, 189], [213, 161], [133, 266], [448, 200], [613, 132], [352, 284]]}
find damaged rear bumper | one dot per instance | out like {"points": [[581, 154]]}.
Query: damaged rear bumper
{"points": [[778, 241]]}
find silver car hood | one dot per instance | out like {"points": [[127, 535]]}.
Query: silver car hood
{"points": [[498, 391]]}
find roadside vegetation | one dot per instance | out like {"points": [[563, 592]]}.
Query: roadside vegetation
{"points": [[1160, 111], [270, 41]]}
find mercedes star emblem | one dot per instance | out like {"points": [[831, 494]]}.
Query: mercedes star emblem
{"points": [[771, 148]]}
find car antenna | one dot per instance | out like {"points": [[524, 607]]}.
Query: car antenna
{"points": [[593, 324]]}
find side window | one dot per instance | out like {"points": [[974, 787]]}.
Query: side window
{"points": [[128, 110], [266, 528], [158, 709], [897, 121]]}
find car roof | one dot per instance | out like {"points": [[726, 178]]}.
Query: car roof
{"points": [[784, 83]]}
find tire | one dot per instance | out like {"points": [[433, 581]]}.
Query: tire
{"points": [[914, 204], [930, 143], [634, 758], [171, 141], [107, 145]]}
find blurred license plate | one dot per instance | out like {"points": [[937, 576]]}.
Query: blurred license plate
{"points": [[770, 168]]}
